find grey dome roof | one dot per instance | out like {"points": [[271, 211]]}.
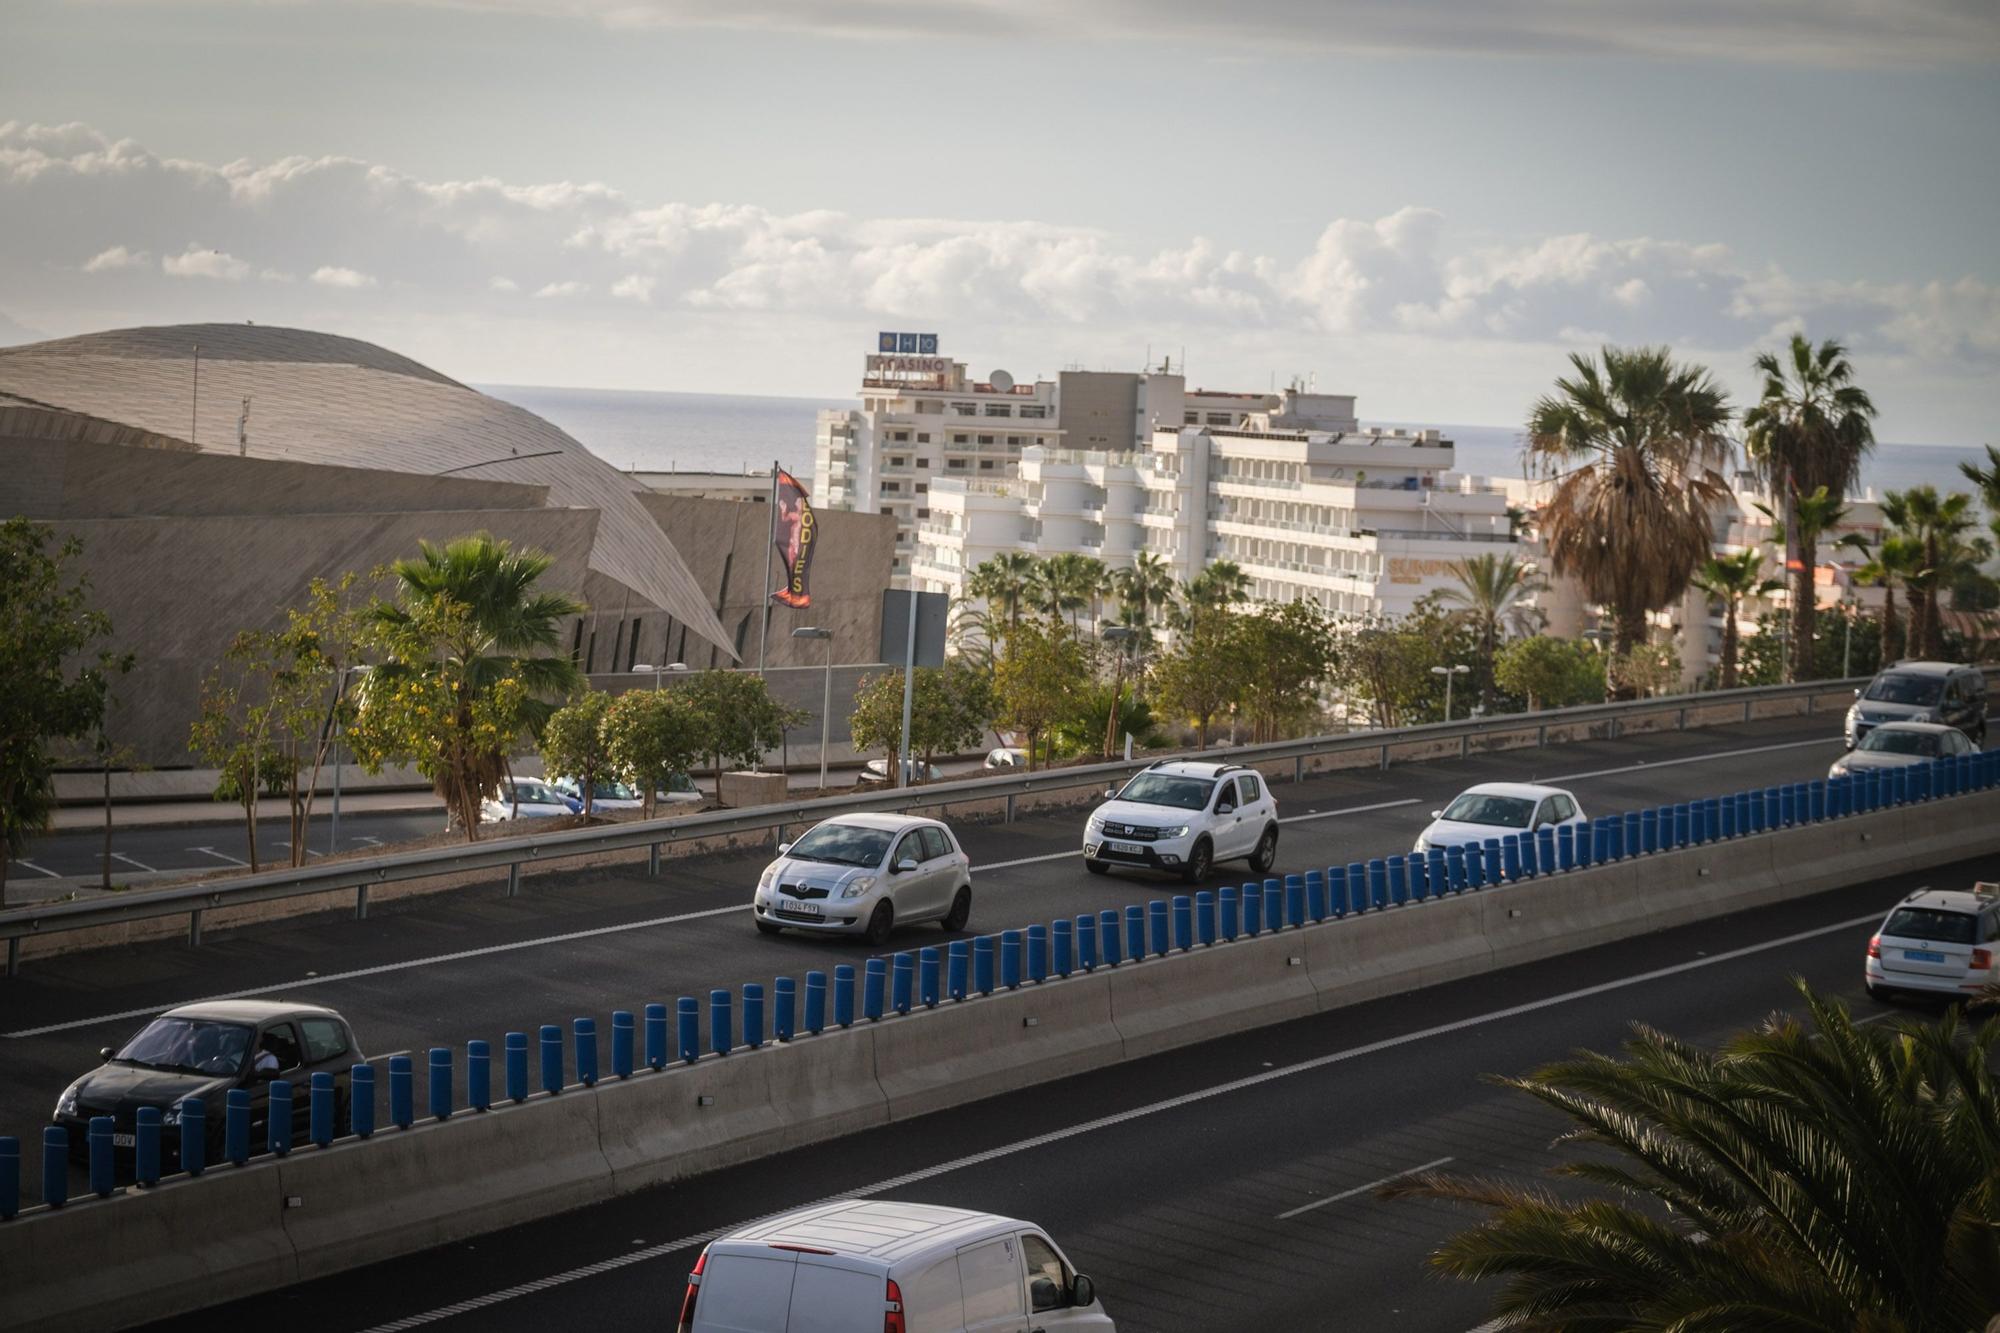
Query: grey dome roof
{"points": [[320, 398]]}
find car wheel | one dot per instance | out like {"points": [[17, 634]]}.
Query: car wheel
{"points": [[1096, 867], [768, 928], [1266, 854], [880, 924], [1200, 861], [961, 910]]}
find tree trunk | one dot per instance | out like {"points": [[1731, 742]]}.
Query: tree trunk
{"points": [[1913, 636], [1729, 646], [1805, 610], [250, 820], [1201, 732], [1628, 633]]}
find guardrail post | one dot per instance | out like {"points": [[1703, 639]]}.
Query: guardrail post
{"points": [[621, 1043], [361, 902], [402, 1091], [585, 1030], [1542, 736], [784, 1008], [1746, 710], [903, 982], [1295, 900], [1010, 959], [1298, 768], [1385, 758], [753, 1012], [1681, 719], [1010, 808], [1135, 932], [145, 1148], [55, 1164], [13, 955], [319, 1112], [929, 962], [103, 1178], [843, 995], [1614, 728], [278, 1118], [958, 969], [360, 1105], [1037, 956], [194, 929], [721, 1021], [517, 1066], [10, 1177], [236, 1126], [194, 1135], [513, 879], [1087, 932], [478, 1075], [653, 860]]}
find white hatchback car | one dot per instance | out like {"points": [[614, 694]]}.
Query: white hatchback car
{"points": [[877, 1264], [525, 798], [606, 794], [1938, 942], [1495, 809], [866, 875]]}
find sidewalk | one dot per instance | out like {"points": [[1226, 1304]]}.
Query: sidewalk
{"points": [[190, 814]]}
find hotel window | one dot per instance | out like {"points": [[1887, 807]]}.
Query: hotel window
{"points": [[1034, 410], [966, 409], [961, 439], [891, 487], [900, 436], [1014, 440], [1218, 418], [896, 461], [923, 487], [954, 464], [999, 409], [923, 464], [923, 437], [985, 465], [1191, 418], [986, 439]]}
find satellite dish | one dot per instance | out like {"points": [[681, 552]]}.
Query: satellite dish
{"points": [[1001, 381]]}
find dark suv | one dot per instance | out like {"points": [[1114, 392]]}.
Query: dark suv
{"points": [[1943, 692]]}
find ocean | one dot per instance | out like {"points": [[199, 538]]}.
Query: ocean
{"points": [[711, 432]]}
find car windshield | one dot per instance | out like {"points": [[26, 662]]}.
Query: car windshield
{"points": [[1928, 923], [612, 791], [1918, 691], [843, 845], [1890, 740], [1166, 789], [531, 793], [681, 782], [1483, 807], [188, 1046]]}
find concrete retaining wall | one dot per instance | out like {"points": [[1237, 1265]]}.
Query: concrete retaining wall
{"points": [[146, 1254]]}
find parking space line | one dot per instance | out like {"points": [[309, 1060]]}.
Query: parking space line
{"points": [[210, 851], [120, 856], [43, 869], [1360, 1189]]}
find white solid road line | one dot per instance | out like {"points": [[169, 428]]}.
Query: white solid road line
{"points": [[1361, 1189], [1123, 1117], [210, 851]]}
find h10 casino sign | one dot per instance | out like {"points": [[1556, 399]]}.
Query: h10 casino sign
{"points": [[906, 344]]}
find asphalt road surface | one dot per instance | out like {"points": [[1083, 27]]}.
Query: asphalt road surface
{"points": [[443, 969], [1222, 1186]]}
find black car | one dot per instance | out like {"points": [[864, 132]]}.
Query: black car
{"points": [[203, 1051]]}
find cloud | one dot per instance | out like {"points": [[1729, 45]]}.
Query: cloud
{"points": [[561, 289], [635, 287], [115, 257], [327, 275], [1840, 33], [503, 284], [198, 262]]}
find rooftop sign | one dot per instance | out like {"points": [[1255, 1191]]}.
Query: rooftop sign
{"points": [[906, 344]]}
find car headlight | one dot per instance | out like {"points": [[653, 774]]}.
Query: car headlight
{"points": [[170, 1114], [856, 888], [1423, 844], [66, 1104], [764, 880], [1095, 823], [1180, 831]]}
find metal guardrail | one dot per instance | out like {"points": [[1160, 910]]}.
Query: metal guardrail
{"points": [[359, 875]]}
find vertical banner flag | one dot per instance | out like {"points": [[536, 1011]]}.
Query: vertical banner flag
{"points": [[796, 529]]}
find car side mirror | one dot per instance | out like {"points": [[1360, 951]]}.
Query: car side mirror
{"points": [[104, 1052], [905, 866], [1437, 814], [1857, 691], [1224, 807], [1082, 1291], [1110, 793], [784, 847]]}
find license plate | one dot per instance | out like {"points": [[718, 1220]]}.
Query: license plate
{"points": [[800, 909], [1124, 848], [124, 1141], [1923, 956]]}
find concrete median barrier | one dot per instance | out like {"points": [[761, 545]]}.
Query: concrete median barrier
{"points": [[1402, 948], [962, 1052], [1167, 1002]]}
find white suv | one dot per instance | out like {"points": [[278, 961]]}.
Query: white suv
{"points": [[1184, 817], [1938, 942]]}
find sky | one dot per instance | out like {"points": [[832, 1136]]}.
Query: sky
{"points": [[1427, 203]]}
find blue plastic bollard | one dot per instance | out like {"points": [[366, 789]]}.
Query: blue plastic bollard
{"points": [[1010, 959], [874, 989], [236, 1125], [552, 1057], [1110, 951], [1649, 830], [55, 1162], [816, 1001], [687, 1028], [1295, 900], [360, 1105], [1274, 905], [1495, 862], [1788, 806], [586, 1050], [656, 1036], [1336, 890], [402, 1091], [784, 1008], [1398, 871], [1725, 827], [1420, 876], [902, 991], [621, 1043], [1316, 908], [1566, 847], [721, 1021], [515, 1052], [1816, 799], [1454, 868], [194, 1132], [1545, 850], [10, 1177], [1204, 918], [277, 1117], [1378, 884], [438, 1075], [478, 1075], [1038, 954], [958, 968], [1093, 940], [1711, 808], [753, 1014], [1510, 856], [1183, 912], [929, 964], [1156, 927], [319, 1112], [1633, 833], [1683, 824], [843, 995], [103, 1173], [146, 1141], [982, 964], [1253, 910], [1062, 940], [1437, 877]]}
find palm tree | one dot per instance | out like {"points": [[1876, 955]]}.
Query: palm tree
{"points": [[1634, 447], [1065, 584], [495, 627], [1490, 592], [1219, 586], [1004, 582], [1893, 561], [1987, 479], [1937, 526], [1808, 432], [1147, 586], [1811, 1175], [1813, 516], [1729, 579]]}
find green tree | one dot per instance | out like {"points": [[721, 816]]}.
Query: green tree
{"points": [[575, 744], [1807, 434], [240, 724], [653, 737], [740, 719], [47, 696], [468, 664], [1890, 564], [1938, 527], [1201, 677], [1067, 583], [1729, 579], [1551, 673], [1810, 1175], [1635, 448], [1491, 595], [1217, 590], [1285, 654], [950, 709], [1004, 583], [1388, 668], [1034, 686], [1145, 597], [1089, 721]]}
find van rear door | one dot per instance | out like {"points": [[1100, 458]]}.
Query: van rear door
{"points": [[834, 1294], [745, 1292]]}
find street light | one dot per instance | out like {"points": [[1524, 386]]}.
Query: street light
{"points": [[826, 698], [1116, 634], [339, 734], [657, 670], [1448, 673]]}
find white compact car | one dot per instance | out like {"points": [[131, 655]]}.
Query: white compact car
{"points": [[605, 794], [1495, 809], [1938, 942], [525, 798], [898, 1267], [866, 875], [1901, 745], [1185, 817]]}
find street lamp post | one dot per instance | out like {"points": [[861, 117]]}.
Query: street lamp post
{"points": [[1115, 635], [1448, 673], [826, 696], [657, 670], [339, 735]]}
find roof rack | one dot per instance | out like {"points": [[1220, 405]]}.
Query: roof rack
{"points": [[1986, 889]]}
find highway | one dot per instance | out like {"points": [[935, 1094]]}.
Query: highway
{"points": [[1222, 1186], [442, 969]]}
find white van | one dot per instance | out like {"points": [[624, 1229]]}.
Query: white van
{"points": [[859, 1266]]}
